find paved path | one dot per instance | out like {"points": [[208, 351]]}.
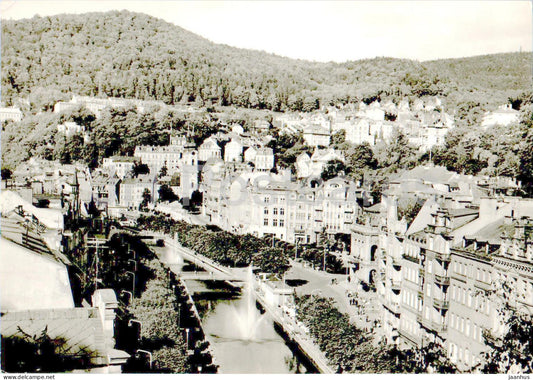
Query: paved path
{"points": [[320, 283]]}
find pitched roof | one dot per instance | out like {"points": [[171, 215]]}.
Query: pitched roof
{"points": [[30, 279], [80, 327], [316, 130]]}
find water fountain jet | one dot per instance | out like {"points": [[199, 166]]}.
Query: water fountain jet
{"points": [[247, 317]]}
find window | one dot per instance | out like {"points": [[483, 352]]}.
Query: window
{"points": [[430, 266], [275, 211], [274, 222], [281, 222], [452, 321], [282, 211], [265, 222], [265, 210]]}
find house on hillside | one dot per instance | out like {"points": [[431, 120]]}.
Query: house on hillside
{"points": [[315, 135]]}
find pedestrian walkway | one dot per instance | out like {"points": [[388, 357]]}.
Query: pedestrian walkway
{"points": [[336, 287]]}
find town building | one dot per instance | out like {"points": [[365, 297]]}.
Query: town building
{"points": [[131, 190], [315, 135], [209, 149], [312, 166], [121, 166], [233, 150], [10, 113], [264, 159], [505, 115]]}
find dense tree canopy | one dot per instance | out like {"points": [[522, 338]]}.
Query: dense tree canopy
{"points": [[45, 58]]}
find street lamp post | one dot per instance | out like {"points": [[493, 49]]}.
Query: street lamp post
{"points": [[324, 263], [134, 264], [128, 292], [149, 356], [132, 321], [133, 282]]}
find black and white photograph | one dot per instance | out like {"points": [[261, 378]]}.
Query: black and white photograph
{"points": [[266, 187]]}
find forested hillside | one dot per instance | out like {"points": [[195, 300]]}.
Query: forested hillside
{"points": [[126, 54]]}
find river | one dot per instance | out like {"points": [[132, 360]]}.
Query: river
{"points": [[243, 340], [261, 351]]}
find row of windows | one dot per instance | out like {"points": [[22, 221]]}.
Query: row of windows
{"points": [[481, 274], [468, 298], [466, 327], [274, 211], [274, 222], [459, 354], [281, 199], [411, 274], [412, 300]]}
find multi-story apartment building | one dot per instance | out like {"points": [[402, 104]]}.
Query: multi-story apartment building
{"points": [[316, 135], [209, 149], [119, 165], [10, 113], [264, 159], [105, 189], [212, 187], [264, 203], [158, 156], [132, 190], [437, 280], [292, 211], [233, 150]]}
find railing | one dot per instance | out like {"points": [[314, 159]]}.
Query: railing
{"points": [[411, 258], [393, 306], [438, 326], [396, 262], [441, 256], [442, 280], [296, 333], [441, 304]]}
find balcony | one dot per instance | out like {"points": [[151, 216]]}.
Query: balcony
{"points": [[396, 262], [442, 280], [444, 257], [396, 285], [411, 259], [393, 307], [440, 230], [438, 326], [441, 304]]}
